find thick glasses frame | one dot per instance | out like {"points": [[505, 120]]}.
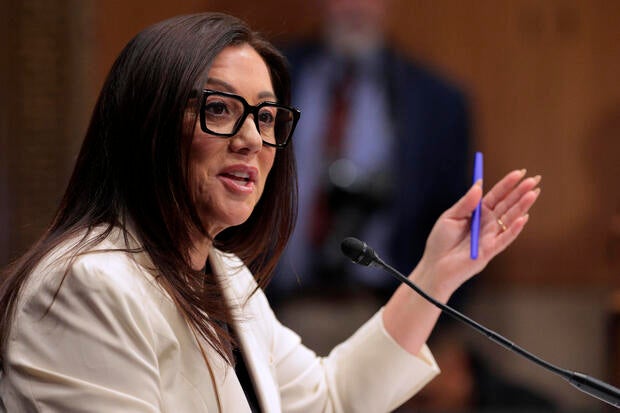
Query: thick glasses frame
{"points": [[247, 109]]}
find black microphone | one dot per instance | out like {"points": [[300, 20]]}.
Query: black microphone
{"points": [[360, 253]]}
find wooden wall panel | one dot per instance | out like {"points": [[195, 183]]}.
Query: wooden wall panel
{"points": [[5, 45], [542, 78], [44, 111], [118, 21]]}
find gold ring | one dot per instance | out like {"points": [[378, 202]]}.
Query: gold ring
{"points": [[502, 225]]}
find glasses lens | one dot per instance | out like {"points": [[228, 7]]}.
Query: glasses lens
{"points": [[275, 124], [221, 113]]}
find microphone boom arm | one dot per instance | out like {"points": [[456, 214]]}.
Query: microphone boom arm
{"points": [[360, 253]]}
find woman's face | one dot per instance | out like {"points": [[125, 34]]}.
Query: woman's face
{"points": [[229, 174]]}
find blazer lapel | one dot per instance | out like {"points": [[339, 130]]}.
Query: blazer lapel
{"points": [[236, 290]]}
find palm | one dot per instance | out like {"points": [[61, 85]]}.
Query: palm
{"points": [[448, 246]]}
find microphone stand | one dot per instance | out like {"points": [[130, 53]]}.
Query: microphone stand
{"points": [[360, 253]]}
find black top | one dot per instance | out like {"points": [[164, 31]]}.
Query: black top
{"points": [[241, 369], [246, 381]]}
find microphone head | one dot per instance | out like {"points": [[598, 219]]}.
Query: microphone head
{"points": [[358, 251]]}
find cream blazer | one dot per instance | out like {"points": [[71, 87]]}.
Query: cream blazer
{"points": [[113, 341]]}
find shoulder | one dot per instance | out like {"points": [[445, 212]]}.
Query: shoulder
{"points": [[82, 268], [422, 77]]}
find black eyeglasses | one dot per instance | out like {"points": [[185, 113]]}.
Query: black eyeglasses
{"points": [[222, 114]]}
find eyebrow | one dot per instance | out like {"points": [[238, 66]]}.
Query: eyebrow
{"points": [[231, 89]]}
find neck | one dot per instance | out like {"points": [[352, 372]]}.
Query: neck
{"points": [[353, 44], [200, 251]]}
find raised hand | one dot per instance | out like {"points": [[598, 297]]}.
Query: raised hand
{"points": [[504, 214], [446, 263]]}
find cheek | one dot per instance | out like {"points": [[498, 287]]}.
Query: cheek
{"points": [[267, 159], [199, 180], [203, 157]]}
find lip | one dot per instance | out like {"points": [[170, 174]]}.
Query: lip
{"points": [[236, 185]]}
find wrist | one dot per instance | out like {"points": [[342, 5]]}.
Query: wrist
{"points": [[431, 281]]}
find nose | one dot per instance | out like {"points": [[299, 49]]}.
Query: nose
{"points": [[248, 138]]}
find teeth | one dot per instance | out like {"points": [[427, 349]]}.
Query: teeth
{"points": [[242, 175]]}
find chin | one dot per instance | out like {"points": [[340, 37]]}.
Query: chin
{"points": [[218, 216], [235, 219], [238, 222]]}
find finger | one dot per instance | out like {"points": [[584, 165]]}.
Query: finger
{"points": [[521, 207], [468, 202], [515, 195], [502, 188], [505, 238]]}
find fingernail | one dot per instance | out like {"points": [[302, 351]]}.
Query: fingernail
{"points": [[537, 191], [523, 171]]}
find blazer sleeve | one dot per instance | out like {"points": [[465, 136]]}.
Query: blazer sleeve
{"points": [[91, 350], [369, 372]]}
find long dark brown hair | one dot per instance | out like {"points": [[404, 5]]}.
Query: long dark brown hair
{"points": [[134, 166]]}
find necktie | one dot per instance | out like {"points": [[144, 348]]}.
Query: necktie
{"points": [[336, 119]]}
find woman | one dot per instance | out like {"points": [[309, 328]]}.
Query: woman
{"points": [[181, 201]]}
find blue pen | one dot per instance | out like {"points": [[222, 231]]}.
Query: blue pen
{"points": [[475, 219]]}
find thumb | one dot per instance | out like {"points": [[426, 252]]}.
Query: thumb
{"points": [[468, 202]]}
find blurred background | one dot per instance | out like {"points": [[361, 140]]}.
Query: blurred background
{"points": [[541, 79]]}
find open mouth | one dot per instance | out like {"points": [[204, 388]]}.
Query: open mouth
{"points": [[241, 177]]}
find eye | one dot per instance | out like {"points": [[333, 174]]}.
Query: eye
{"points": [[216, 108], [266, 116]]}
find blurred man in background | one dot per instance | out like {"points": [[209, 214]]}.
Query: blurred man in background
{"points": [[382, 150]]}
